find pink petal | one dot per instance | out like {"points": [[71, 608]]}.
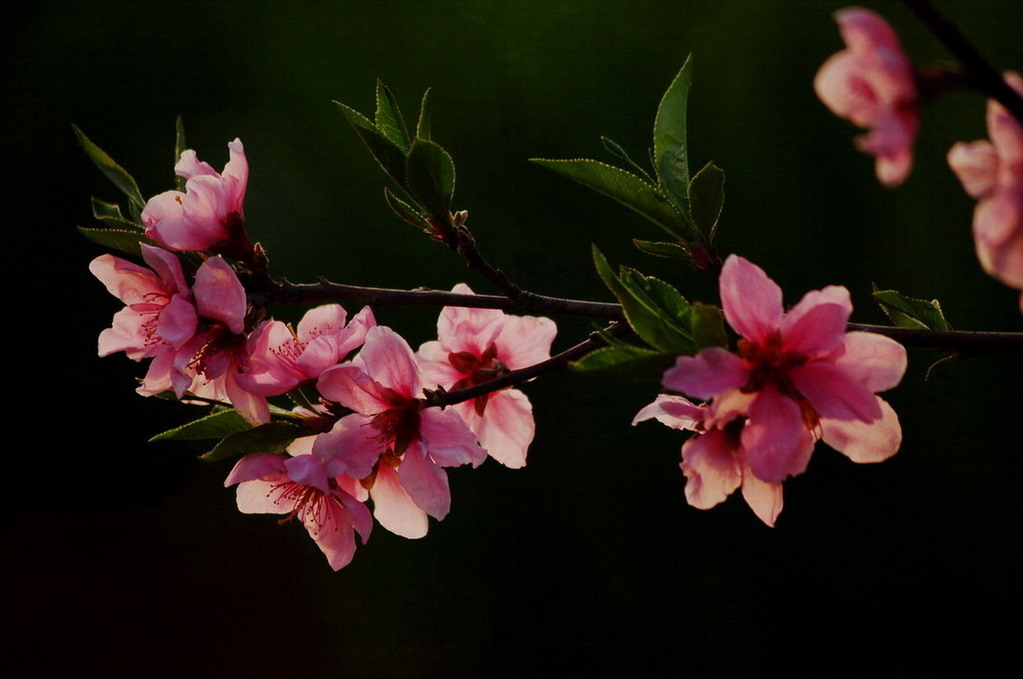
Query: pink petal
{"points": [[434, 366], [862, 442], [751, 300], [388, 359], [711, 468], [672, 411], [976, 165], [351, 447], [307, 470], [817, 323], [506, 428], [525, 340], [776, 441], [178, 322], [425, 482], [863, 30], [330, 526], [833, 392], [350, 386], [393, 507], [874, 361], [709, 373], [448, 441], [256, 466], [467, 329], [765, 499], [219, 295], [264, 496], [328, 319]]}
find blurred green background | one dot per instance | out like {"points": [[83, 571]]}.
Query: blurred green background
{"points": [[130, 559]]}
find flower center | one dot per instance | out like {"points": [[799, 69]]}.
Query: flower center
{"points": [[771, 365], [477, 370], [398, 426]]}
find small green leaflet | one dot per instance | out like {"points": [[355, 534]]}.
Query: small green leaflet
{"points": [[273, 437], [215, 426], [114, 172], [909, 312]]}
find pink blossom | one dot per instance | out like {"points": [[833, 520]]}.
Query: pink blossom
{"points": [[195, 337], [208, 215], [872, 83], [714, 461], [392, 442], [795, 372], [475, 346], [280, 358], [304, 486], [992, 172]]}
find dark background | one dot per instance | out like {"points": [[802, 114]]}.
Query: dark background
{"points": [[122, 558]]}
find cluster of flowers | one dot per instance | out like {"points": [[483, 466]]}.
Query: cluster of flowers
{"points": [[875, 85], [376, 437], [798, 377]]}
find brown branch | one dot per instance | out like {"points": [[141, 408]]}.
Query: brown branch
{"points": [[284, 292], [963, 342], [979, 71]]}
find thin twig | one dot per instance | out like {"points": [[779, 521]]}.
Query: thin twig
{"points": [[966, 343]]}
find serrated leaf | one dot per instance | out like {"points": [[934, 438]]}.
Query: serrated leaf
{"points": [[909, 312], [616, 149], [708, 326], [179, 147], [405, 211], [114, 172], [117, 239], [706, 198], [216, 426], [388, 118], [670, 149], [273, 437], [390, 157], [642, 301], [623, 186], [423, 126], [430, 177], [661, 249], [624, 361]]}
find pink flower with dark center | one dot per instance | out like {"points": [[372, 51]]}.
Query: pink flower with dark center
{"points": [[476, 346], [281, 359], [208, 215], [305, 488], [796, 372], [714, 460], [393, 443], [992, 172], [872, 83]]}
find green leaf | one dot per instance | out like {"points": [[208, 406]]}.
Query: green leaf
{"points": [[110, 214], [215, 426], [661, 249], [909, 312], [390, 157], [179, 147], [114, 172], [708, 326], [126, 241], [388, 118], [654, 309], [624, 360], [623, 186], [273, 437], [616, 149], [670, 150], [405, 211], [430, 175], [706, 198], [423, 126]]}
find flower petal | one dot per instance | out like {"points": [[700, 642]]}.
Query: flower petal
{"points": [[817, 323], [776, 441], [506, 428], [752, 301], [394, 509], [672, 411], [874, 361], [833, 392], [765, 499], [447, 439], [425, 482], [711, 468], [709, 373], [862, 442]]}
